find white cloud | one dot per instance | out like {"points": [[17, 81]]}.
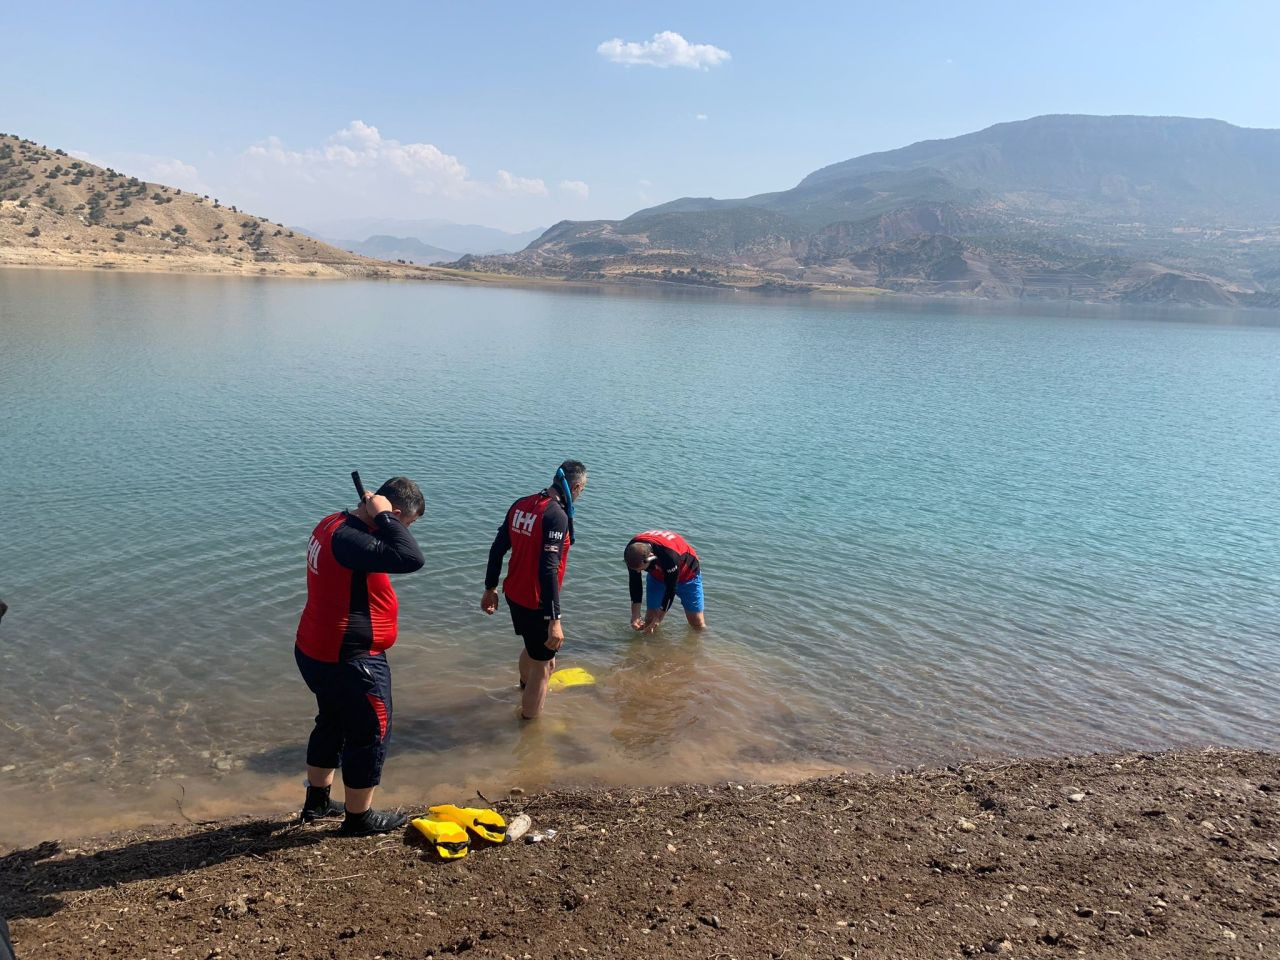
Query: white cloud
{"points": [[699, 116], [575, 187], [666, 49], [360, 150], [518, 185]]}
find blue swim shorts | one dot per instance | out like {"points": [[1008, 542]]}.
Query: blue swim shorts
{"points": [[689, 592]]}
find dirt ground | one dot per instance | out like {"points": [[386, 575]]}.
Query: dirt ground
{"points": [[1162, 856]]}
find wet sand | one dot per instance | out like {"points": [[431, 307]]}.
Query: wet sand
{"points": [[1135, 855]]}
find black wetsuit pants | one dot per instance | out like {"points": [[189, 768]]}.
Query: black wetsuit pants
{"points": [[353, 724]]}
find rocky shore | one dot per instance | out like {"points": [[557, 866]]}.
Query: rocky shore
{"points": [[1135, 855]]}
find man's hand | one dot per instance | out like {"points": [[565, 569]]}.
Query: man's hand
{"points": [[489, 602], [651, 623], [373, 505], [637, 618], [555, 635]]}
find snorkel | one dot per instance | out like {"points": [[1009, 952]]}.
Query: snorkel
{"points": [[562, 482]]}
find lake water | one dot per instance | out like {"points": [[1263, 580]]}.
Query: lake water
{"points": [[927, 533]]}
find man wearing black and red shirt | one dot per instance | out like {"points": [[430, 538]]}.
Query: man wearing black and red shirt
{"points": [[538, 531], [674, 570], [346, 628]]}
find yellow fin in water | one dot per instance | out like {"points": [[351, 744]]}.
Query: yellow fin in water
{"points": [[570, 677], [486, 824], [450, 840]]}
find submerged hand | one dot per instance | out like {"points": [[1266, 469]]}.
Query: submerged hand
{"points": [[637, 623], [489, 602], [651, 626]]}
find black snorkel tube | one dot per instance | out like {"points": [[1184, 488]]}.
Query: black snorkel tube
{"points": [[562, 482]]}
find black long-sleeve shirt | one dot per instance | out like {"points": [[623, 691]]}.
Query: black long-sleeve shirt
{"points": [[389, 548]]}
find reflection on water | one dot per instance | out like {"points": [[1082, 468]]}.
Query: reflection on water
{"points": [[925, 533]]}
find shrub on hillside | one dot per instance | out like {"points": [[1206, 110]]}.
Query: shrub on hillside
{"points": [[33, 232]]}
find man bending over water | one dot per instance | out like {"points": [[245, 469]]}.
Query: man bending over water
{"points": [[673, 569]]}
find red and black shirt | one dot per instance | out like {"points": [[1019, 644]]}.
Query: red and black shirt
{"points": [[537, 531], [674, 561], [351, 606]]}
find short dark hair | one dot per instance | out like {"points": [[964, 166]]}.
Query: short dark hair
{"points": [[573, 471], [637, 552], [405, 496]]}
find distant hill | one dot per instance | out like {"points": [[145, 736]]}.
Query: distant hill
{"points": [[409, 249], [58, 211], [1150, 209], [444, 234]]}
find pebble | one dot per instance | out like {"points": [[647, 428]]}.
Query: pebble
{"points": [[968, 826], [516, 791], [1084, 911], [1075, 798]]}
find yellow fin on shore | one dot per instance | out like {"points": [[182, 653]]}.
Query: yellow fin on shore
{"points": [[450, 840], [486, 824], [570, 677]]}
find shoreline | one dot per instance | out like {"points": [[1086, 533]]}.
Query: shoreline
{"points": [[1135, 854], [388, 271]]}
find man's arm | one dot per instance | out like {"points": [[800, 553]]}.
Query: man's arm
{"points": [[669, 564], [635, 581], [555, 534], [501, 544], [390, 548]]}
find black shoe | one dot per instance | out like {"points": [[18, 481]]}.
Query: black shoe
{"points": [[318, 806], [371, 822]]}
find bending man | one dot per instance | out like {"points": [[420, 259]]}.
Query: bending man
{"points": [[538, 530], [347, 627], [673, 569]]}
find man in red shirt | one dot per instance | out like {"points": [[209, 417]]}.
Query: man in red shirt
{"points": [[538, 530], [674, 571], [346, 628]]}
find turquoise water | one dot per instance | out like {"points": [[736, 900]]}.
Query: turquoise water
{"points": [[926, 533]]}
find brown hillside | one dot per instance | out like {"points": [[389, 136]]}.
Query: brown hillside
{"points": [[57, 211]]}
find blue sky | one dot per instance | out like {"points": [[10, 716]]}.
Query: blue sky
{"points": [[513, 115]]}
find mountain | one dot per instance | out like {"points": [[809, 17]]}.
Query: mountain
{"points": [[56, 210], [405, 249], [1153, 209], [444, 234]]}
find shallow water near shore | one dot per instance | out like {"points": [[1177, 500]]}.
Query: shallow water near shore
{"points": [[927, 533]]}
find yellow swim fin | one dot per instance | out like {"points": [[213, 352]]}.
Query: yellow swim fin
{"points": [[450, 840], [485, 824], [570, 677]]}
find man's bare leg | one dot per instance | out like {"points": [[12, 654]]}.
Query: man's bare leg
{"points": [[696, 620], [535, 691]]}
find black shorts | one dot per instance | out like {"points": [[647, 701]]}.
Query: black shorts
{"points": [[532, 626]]}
